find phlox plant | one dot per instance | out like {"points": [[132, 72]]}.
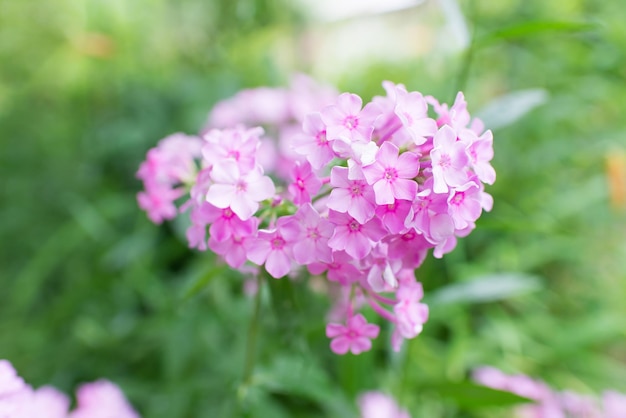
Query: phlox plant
{"points": [[304, 180]]}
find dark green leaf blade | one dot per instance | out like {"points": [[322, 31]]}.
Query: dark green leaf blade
{"points": [[469, 395]]}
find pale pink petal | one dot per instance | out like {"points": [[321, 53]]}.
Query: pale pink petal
{"points": [[339, 200], [48, 402], [361, 210], [349, 103], [339, 239], [335, 330], [243, 206], [257, 250], [340, 345], [261, 189], [356, 322], [358, 246], [235, 256], [360, 345], [304, 251], [404, 189], [486, 201], [221, 195], [455, 177], [375, 230], [441, 227], [387, 155], [227, 171], [339, 177], [408, 165], [384, 193], [485, 172], [278, 264], [373, 172]]}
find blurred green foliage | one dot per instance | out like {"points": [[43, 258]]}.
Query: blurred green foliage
{"points": [[91, 289]]}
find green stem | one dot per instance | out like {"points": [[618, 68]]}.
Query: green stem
{"points": [[253, 332], [466, 63]]}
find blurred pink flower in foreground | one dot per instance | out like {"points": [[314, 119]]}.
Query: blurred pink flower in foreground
{"points": [[549, 403], [378, 405], [101, 399]]}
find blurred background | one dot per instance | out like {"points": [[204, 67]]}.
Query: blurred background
{"points": [[90, 288]]}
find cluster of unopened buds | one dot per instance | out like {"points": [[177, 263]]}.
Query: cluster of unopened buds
{"points": [[306, 178], [100, 399], [550, 403]]}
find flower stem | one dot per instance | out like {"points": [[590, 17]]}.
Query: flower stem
{"points": [[243, 399], [253, 331]]}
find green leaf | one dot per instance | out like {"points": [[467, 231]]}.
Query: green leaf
{"points": [[535, 28], [509, 108], [486, 288], [470, 395], [200, 281], [284, 303], [303, 378]]}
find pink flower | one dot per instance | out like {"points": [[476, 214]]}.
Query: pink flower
{"points": [[412, 110], [392, 175], [355, 337], [410, 313], [347, 122], [456, 117], [260, 105], [449, 160], [355, 238], [614, 404], [312, 242], [340, 269], [10, 382], [480, 152], [381, 276], [379, 405], [171, 162], [15, 394], [464, 205], [409, 247], [49, 403], [158, 202], [196, 233], [241, 192], [232, 250], [167, 166], [102, 399], [355, 197], [441, 234], [304, 183], [238, 144], [225, 223], [274, 247], [426, 205], [307, 95], [314, 143], [394, 216]]}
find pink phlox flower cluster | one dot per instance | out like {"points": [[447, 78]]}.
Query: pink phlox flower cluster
{"points": [[359, 192], [380, 405], [550, 403], [101, 399]]}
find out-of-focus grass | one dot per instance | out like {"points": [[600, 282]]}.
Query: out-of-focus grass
{"points": [[91, 289]]}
